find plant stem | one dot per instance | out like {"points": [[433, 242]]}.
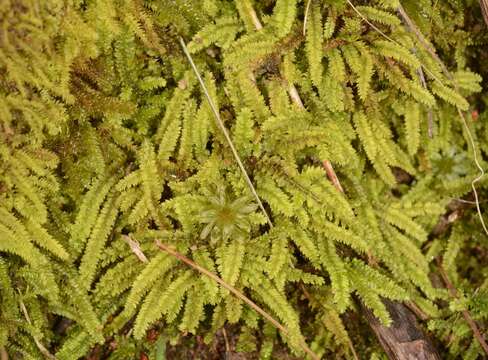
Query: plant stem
{"points": [[236, 292]]}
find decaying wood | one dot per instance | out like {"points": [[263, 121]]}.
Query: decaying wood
{"points": [[484, 10], [455, 210], [403, 340]]}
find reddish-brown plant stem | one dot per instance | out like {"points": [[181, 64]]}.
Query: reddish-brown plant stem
{"points": [[295, 97], [467, 316], [329, 170], [236, 292]]}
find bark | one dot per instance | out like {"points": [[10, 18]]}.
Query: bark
{"points": [[484, 10], [403, 340]]}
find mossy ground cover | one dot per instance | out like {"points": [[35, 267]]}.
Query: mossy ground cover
{"points": [[328, 158]]}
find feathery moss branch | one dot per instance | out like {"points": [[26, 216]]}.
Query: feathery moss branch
{"points": [[236, 292]]}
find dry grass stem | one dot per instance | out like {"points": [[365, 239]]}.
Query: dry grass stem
{"points": [[237, 293], [305, 17], [39, 345], [295, 97], [135, 247], [467, 316], [221, 125]]}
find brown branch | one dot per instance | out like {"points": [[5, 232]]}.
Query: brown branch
{"points": [[403, 339], [237, 293], [329, 170], [135, 247], [430, 116], [484, 10], [226, 340], [417, 310], [427, 46], [467, 316], [295, 97]]}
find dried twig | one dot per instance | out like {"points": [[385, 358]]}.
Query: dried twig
{"points": [[220, 123], [3, 354], [329, 170], [484, 10], [237, 293], [411, 25], [467, 316], [226, 340], [295, 97], [135, 247], [430, 116], [468, 201], [305, 17], [39, 345], [416, 310]]}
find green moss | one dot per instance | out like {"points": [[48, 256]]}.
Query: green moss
{"points": [[106, 135]]}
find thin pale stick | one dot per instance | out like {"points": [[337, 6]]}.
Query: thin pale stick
{"points": [[480, 176], [430, 117], [467, 316], [468, 201], [305, 17], [226, 340], [416, 310], [39, 345], [220, 123], [329, 170], [135, 247], [253, 15], [295, 97], [422, 39], [236, 292], [388, 38]]}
